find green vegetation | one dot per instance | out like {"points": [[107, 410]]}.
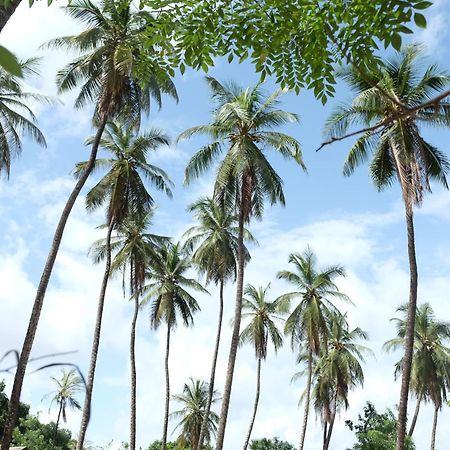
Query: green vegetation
{"points": [[376, 431], [125, 59], [32, 433]]}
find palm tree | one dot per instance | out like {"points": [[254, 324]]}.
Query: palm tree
{"points": [[307, 323], [16, 118], [67, 387], [194, 401], [399, 152], [167, 289], [337, 371], [134, 249], [261, 330], [110, 48], [123, 189], [242, 123], [215, 241], [430, 371]]}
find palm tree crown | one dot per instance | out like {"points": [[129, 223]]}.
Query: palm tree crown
{"points": [[67, 388], [263, 315], [399, 151], [315, 289], [194, 400], [430, 372], [168, 287], [123, 186], [110, 50], [16, 118], [215, 240], [243, 121]]}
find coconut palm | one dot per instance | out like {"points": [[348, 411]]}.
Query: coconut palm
{"points": [[124, 192], [134, 249], [194, 401], [168, 292], [430, 371], [67, 388], [215, 240], [259, 332], [16, 118], [338, 371], [242, 127], [399, 153], [307, 324], [109, 49]]}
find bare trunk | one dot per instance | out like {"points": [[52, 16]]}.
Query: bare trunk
{"points": [[324, 434], [95, 344], [409, 335], [133, 371], [166, 410], [255, 408], [57, 424], [330, 428], [416, 414], [307, 400], [433, 431], [213, 371], [13, 406], [7, 12], [235, 335]]}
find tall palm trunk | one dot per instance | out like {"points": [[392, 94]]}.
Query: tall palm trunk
{"points": [[433, 431], [307, 401], [166, 410], [255, 408], [13, 406], [133, 370], [236, 329], [57, 424], [330, 428], [95, 343], [409, 335], [7, 11], [213, 372], [416, 415]]}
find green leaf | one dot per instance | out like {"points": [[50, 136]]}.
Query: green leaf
{"points": [[423, 5], [396, 42], [9, 62], [420, 20], [182, 68]]}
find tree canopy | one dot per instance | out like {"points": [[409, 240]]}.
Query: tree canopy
{"points": [[308, 37]]}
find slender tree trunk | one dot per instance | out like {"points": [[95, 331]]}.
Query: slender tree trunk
{"points": [[133, 371], [95, 344], [330, 428], [433, 431], [56, 426], [7, 12], [325, 433], [409, 335], [166, 410], [213, 371], [235, 335], [416, 414], [13, 406], [307, 400], [255, 408]]}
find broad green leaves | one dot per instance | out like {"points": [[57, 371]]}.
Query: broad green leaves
{"points": [[9, 62]]}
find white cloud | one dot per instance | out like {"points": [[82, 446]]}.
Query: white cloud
{"points": [[376, 283]]}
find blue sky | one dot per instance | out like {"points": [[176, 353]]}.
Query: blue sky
{"points": [[343, 219]]}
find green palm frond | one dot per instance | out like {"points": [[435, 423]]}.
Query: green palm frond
{"points": [[396, 149], [242, 127]]}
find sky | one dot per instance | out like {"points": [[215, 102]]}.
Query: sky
{"points": [[344, 220]]}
